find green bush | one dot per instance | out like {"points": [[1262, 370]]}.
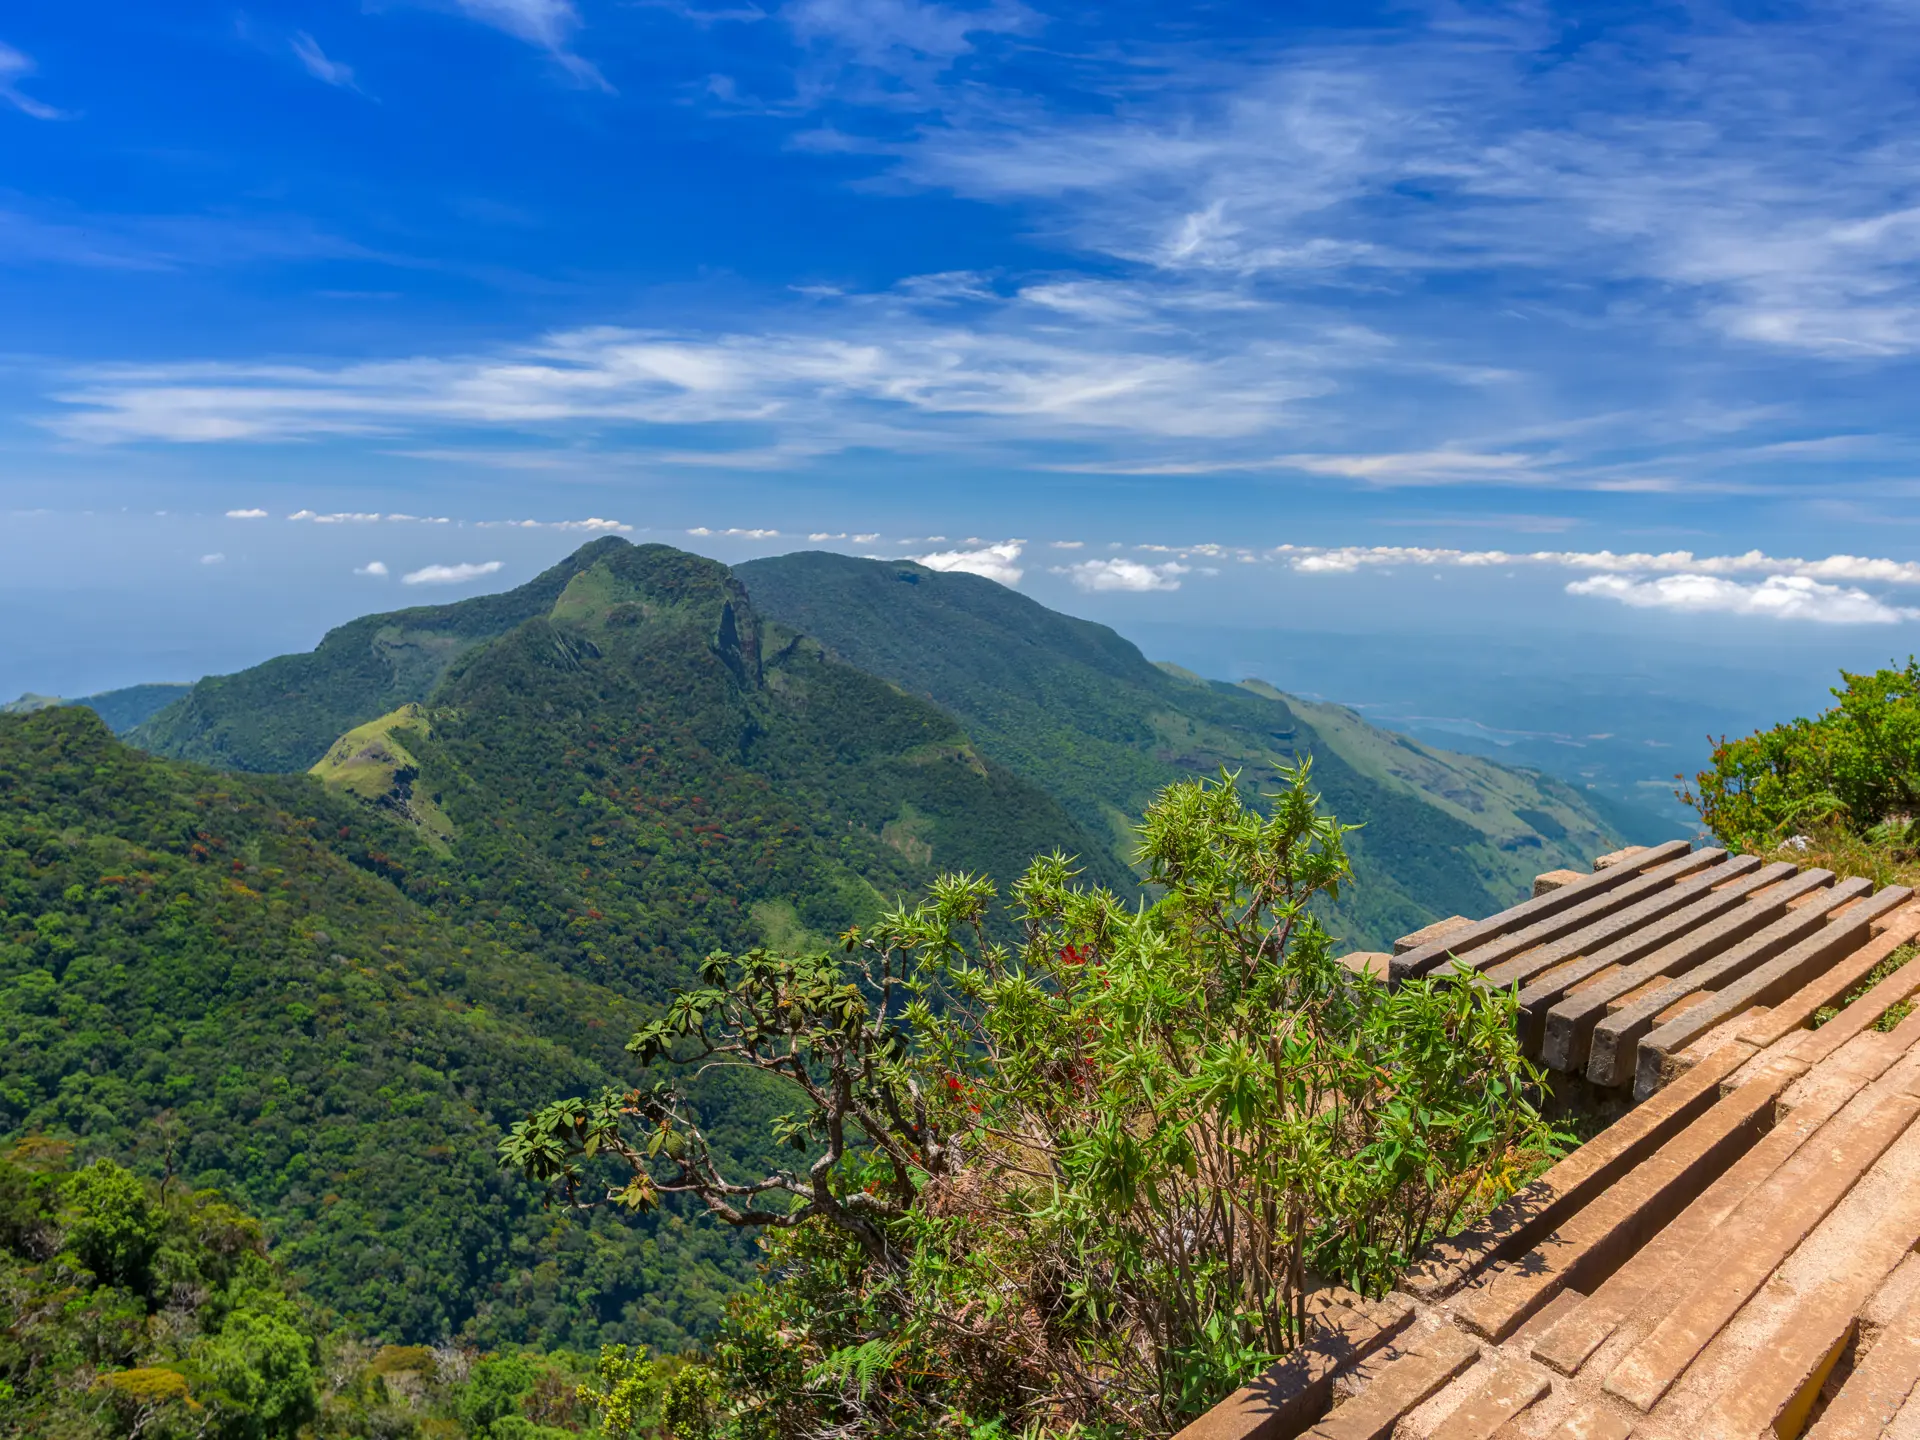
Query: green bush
{"points": [[1855, 768], [1086, 1180]]}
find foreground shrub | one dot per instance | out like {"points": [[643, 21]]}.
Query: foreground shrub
{"points": [[1086, 1181]]}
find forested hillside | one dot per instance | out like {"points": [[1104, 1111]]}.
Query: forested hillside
{"points": [[648, 772], [281, 715], [325, 995], [1076, 709], [211, 975]]}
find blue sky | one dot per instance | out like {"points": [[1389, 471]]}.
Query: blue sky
{"points": [[1114, 301]]}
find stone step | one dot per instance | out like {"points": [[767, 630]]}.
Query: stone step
{"points": [[1569, 1022], [1767, 984], [1766, 1228], [1428, 1363], [1566, 1186], [1542, 989], [1587, 1422], [1775, 1358], [1590, 1244], [1831, 988], [1507, 1390], [1888, 1373], [1530, 913], [1630, 922], [1615, 1043], [1642, 1291]]}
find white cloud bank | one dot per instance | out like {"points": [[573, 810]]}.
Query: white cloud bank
{"points": [[996, 562], [1778, 597], [246, 514], [1345, 559], [372, 567], [1130, 575], [449, 574], [213, 559]]}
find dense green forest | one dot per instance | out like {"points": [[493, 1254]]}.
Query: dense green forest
{"points": [[650, 772], [144, 1308], [213, 975], [296, 995], [1076, 709]]}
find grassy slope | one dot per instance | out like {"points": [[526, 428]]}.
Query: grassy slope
{"points": [[225, 955], [1075, 708]]}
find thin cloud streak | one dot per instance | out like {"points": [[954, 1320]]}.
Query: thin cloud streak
{"points": [[15, 67]]}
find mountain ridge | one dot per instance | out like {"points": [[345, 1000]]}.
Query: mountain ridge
{"points": [[1076, 708]]}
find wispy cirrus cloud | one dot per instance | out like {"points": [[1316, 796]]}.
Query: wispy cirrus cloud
{"points": [[316, 62], [892, 369], [14, 68], [1508, 250], [549, 25]]}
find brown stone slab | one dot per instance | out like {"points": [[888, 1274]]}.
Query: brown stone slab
{"points": [[1589, 922], [1568, 1029], [1571, 1183], [1880, 1384], [1614, 857], [1543, 988], [1290, 1396], [1641, 1291], [1591, 1422], [1548, 880], [1763, 1231], [1425, 957], [1508, 1390], [1367, 962], [1588, 1246], [1615, 1043], [1829, 989], [1789, 1336], [1427, 934], [1431, 1362], [1766, 984], [1628, 921]]}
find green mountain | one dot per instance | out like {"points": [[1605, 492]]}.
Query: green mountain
{"points": [[121, 709], [1077, 710], [282, 715], [649, 771], [213, 975], [325, 994]]}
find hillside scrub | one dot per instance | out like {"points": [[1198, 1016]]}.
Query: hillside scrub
{"points": [[1850, 774], [1078, 1184]]}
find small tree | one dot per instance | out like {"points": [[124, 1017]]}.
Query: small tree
{"points": [[1085, 1179]]}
